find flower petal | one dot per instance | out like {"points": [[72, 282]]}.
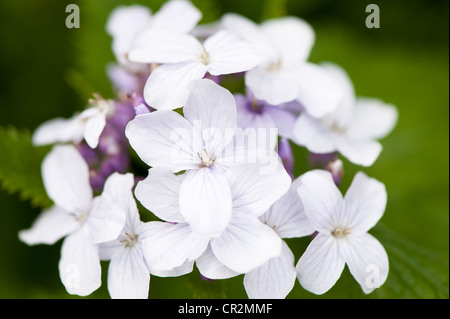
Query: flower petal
{"points": [[206, 202], [367, 260], [58, 130], [50, 226], [365, 202], [168, 86], [94, 128], [321, 199], [128, 276], [211, 268], [177, 15], [66, 179], [321, 265], [163, 139], [168, 245], [273, 280], [254, 192], [310, 132], [160, 193], [228, 54], [79, 266], [184, 269], [246, 244], [360, 152]]}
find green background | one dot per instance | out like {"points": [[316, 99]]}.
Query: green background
{"points": [[49, 71]]}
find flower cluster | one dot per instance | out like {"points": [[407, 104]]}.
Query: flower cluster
{"points": [[221, 181]]}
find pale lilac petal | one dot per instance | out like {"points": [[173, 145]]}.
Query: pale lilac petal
{"points": [[246, 244], [357, 151], [58, 130], [168, 86], [66, 179], [160, 193], [94, 128], [50, 226], [284, 120], [322, 200], [206, 201], [249, 188], [313, 135], [176, 15], [367, 260], [287, 216], [79, 266], [228, 54], [168, 245], [163, 139], [128, 276], [211, 268], [365, 202], [321, 265], [273, 280]]}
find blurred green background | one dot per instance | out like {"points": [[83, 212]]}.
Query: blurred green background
{"points": [[48, 71]]}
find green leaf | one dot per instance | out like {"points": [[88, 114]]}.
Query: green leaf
{"points": [[20, 166], [274, 9]]}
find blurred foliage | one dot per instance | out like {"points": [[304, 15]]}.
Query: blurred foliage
{"points": [[49, 71]]}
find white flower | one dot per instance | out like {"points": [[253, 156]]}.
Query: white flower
{"points": [[185, 59], [342, 224], [84, 221], [89, 125], [352, 129], [244, 244], [285, 75], [201, 143]]}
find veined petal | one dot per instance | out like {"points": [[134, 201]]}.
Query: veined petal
{"points": [[310, 132], [321, 265], [50, 226], [273, 280], [58, 130], [206, 201], [161, 46], [287, 216], [211, 268], [168, 86], [79, 266], [66, 179], [177, 15], [367, 260], [254, 192], [365, 202], [128, 276], [160, 193], [164, 139], [246, 244], [168, 245], [361, 152], [228, 54], [321, 200]]}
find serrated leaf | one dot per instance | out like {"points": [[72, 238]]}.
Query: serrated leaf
{"points": [[20, 166]]}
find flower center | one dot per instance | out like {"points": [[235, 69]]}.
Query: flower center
{"points": [[274, 65], [130, 240], [341, 232], [205, 57], [206, 159]]}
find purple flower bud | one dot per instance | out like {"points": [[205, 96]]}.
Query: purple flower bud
{"points": [[285, 152], [336, 168]]}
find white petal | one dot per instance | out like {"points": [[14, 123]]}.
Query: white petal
{"points": [[273, 280], [321, 199], [273, 86], [287, 216], [367, 260], [163, 139], [321, 265], [292, 37], [168, 245], [177, 15], [94, 128], [66, 179], [312, 134], [211, 268], [79, 266], [228, 54], [319, 92], [255, 192], [372, 119], [357, 151], [184, 269], [365, 202], [128, 276], [211, 109], [160, 46], [206, 201], [246, 244], [160, 193], [168, 86], [58, 130], [50, 226]]}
